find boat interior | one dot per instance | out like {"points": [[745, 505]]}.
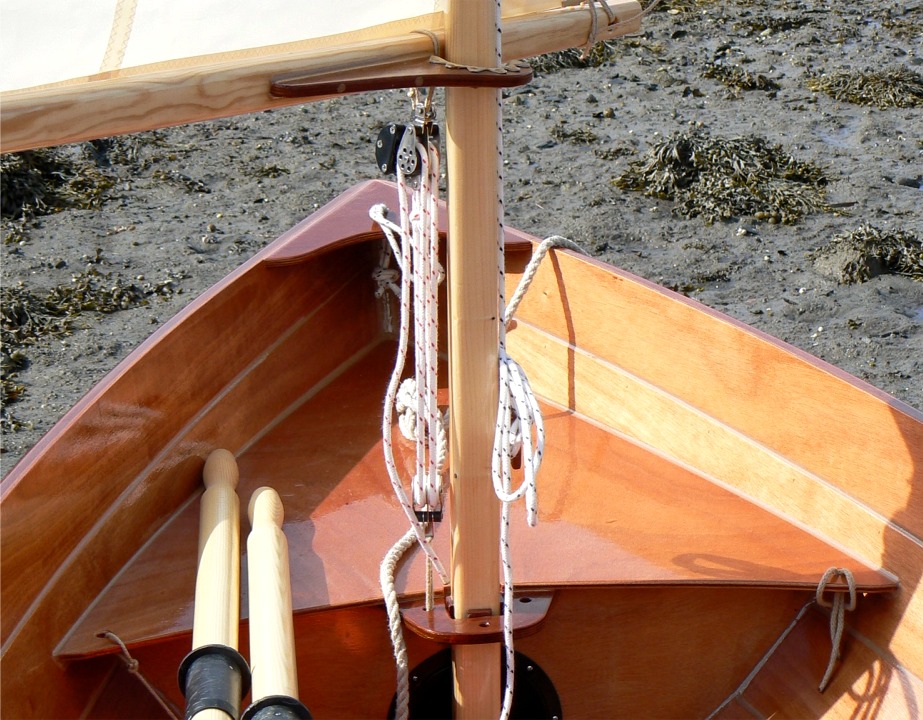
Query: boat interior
{"points": [[682, 524]]}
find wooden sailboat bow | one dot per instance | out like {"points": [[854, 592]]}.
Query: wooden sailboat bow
{"points": [[699, 476]]}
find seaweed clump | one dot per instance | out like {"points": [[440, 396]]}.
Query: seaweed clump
{"points": [[601, 53], [27, 317], [41, 182], [736, 78], [859, 255], [577, 136], [720, 178], [24, 318], [896, 87]]}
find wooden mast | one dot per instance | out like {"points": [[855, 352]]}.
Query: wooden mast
{"points": [[472, 122]]}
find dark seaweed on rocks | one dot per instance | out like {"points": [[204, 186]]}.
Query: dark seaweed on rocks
{"points": [[894, 87], [857, 256], [40, 182], [26, 318], [599, 54], [735, 77], [719, 178]]}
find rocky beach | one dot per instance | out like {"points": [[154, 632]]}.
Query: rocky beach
{"points": [[765, 159]]}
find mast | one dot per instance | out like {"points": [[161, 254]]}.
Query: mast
{"points": [[472, 132]]}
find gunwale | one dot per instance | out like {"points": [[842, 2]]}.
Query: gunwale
{"points": [[892, 624]]}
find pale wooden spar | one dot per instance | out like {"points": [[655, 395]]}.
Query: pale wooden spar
{"points": [[138, 99], [472, 122], [217, 593], [272, 637]]}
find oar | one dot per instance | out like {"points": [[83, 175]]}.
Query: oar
{"points": [[272, 635], [214, 677]]}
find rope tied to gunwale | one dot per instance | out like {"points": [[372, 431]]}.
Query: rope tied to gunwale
{"points": [[134, 667], [838, 606]]}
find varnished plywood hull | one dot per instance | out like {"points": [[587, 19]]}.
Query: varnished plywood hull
{"points": [[699, 479]]}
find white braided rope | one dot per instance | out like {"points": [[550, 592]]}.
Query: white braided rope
{"points": [[515, 402], [389, 592], [416, 255], [415, 399]]}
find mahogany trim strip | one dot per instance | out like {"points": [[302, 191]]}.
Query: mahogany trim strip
{"points": [[412, 74]]}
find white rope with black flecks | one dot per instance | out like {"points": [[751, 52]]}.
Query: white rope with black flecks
{"points": [[517, 406], [417, 257]]}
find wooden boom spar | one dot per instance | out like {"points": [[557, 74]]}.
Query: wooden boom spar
{"points": [[133, 100]]}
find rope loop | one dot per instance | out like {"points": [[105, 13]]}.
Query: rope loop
{"points": [[134, 667], [829, 576], [838, 607], [528, 275]]}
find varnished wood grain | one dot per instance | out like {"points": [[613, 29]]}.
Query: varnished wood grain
{"points": [[150, 470], [145, 98], [865, 683], [345, 221], [611, 512], [778, 426], [628, 496], [473, 120], [417, 74], [835, 426], [628, 653]]}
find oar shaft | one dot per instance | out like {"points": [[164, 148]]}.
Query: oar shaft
{"points": [[214, 676], [272, 637], [217, 598]]}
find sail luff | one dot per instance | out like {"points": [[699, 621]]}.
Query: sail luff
{"points": [[473, 122], [209, 87]]}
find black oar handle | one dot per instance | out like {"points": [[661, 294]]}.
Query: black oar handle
{"points": [[214, 677]]}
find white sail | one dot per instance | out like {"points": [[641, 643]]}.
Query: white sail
{"points": [[74, 71], [55, 41]]}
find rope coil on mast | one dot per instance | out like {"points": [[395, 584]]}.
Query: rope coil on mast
{"points": [[417, 257]]}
